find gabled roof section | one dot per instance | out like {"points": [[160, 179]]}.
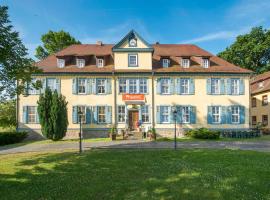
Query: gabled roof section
{"points": [[132, 34]]}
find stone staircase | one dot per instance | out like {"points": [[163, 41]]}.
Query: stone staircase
{"points": [[134, 135]]}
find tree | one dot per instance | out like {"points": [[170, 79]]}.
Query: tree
{"points": [[15, 67], [8, 114], [54, 42], [52, 111], [251, 51]]}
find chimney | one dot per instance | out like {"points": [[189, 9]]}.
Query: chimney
{"points": [[157, 42], [99, 43]]}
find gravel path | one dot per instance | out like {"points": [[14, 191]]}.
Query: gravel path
{"points": [[137, 144]]}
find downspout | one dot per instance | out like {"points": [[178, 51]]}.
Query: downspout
{"points": [[115, 99], [17, 108], [153, 101]]}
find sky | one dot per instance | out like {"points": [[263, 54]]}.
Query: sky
{"points": [[210, 24]]}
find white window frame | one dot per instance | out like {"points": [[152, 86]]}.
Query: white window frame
{"points": [[185, 62], [80, 62], [143, 86], [185, 114], [31, 89], [100, 62], [61, 63], [121, 114], [122, 86], [165, 83], [52, 87], [185, 84], [235, 110], [132, 85], [101, 86], [165, 62], [103, 115], [83, 116], [135, 64], [205, 62], [32, 116], [82, 83], [165, 113], [145, 114], [235, 86], [216, 111], [215, 86]]}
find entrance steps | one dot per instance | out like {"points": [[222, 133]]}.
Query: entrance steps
{"points": [[135, 135]]}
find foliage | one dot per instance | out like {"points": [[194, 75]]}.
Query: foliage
{"points": [[203, 133], [14, 64], [11, 137], [250, 51], [113, 130], [54, 42], [8, 114], [52, 110]]}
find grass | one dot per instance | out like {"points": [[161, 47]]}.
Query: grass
{"points": [[135, 174]]}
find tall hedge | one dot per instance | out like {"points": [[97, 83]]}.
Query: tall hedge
{"points": [[52, 111]]}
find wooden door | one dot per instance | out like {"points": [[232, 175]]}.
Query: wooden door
{"points": [[133, 119]]}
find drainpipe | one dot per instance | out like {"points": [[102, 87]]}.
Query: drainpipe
{"points": [[153, 101], [115, 99], [17, 109]]}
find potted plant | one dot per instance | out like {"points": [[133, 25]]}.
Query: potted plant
{"points": [[113, 134], [152, 134]]}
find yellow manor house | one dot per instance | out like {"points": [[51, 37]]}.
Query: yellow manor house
{"points": [[135, 86]]}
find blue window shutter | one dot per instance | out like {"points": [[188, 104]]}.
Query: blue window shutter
{"points": [[229, 86], [147, 86], [37, 116], [74, 114], [25, 114], [192, 114], [172, 89], [241, 86], [222, 86], [209, 115], [181, 89], [95, 114], [137, 86], [242, 114], [208, 86], [88, 86], [191, 86], [75, 86], [58, 85], [223, 114], [88, 115], [94, 86], [44, 85], [158, 114], [109, 86], [179, 114], [108, 110], [229, 114], [171, 117], [159, 85], [177, 88], [140, 113]]}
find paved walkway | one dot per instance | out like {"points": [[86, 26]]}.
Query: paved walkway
{"points": [[137, 144]]}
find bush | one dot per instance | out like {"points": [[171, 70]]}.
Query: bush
{"points": [[203, 133], [241, 134], [11, 137]]}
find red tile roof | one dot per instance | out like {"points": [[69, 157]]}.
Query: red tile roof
{"points": [[260, 83], [174, 51]]}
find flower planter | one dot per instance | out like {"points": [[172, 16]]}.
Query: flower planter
{"points": [[113, 137]]}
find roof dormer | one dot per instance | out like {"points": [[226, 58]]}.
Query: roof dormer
{"points": [[185, 62], [80, 62], [61, 62], [205, 62], [100, 62], [165, 61]]}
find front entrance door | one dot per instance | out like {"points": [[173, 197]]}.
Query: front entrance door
{"points": [[133, 118]]}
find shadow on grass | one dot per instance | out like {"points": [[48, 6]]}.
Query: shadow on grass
{"points": [[135, 174]]}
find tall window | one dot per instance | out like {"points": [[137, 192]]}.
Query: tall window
{"points": [[31, 114], [254, 102], [100, 62], [264, 100], [265, 120], [205, 62], [61, 63], [165, 115], [165, 86], [216, 114], [185, 62], [122, 85], [143, 85], [186, 114], [235, 114], [133, 60], [80, 63], [101, 86], [81, 86], [83, 110], [184, 86], [51, 84], [215, 86], [101, 114], [121, 116], [165, 63], [145, 113], [254, 120], [132, 86], [235, 86]]}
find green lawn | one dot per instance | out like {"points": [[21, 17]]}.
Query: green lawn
{"points": [[135, 174]]}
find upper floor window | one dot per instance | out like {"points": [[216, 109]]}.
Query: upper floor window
{"points": [[216, 114], [51, 84], [264, 100], [60, 63], [80, 63], [184, 84], [100, 62], [205, 62], [165, 63], [235, 86], [122, 85], [133, 60], [185, 62], [101, 84], [165, 86], [254, 102], [215, 86], [235, 114], [132, 86], [143, 85], [81, 86]]}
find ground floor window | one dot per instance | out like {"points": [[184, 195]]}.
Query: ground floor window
{"points": [[265, 120], [254, 120], [216, 114], [165, 114], [121, 114], [101, 114], [145, 113], [235, 114], [31, 114], [186, 114], [82, 109]]}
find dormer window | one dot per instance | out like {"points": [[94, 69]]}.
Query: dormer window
{"points": [[205, 62], [133, 60], [165, 63], [261, 84], [185, 62], [80, 63], [61, 63], [100, 62]]}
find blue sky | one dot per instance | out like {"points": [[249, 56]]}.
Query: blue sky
{"points": [[212, 25]]}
